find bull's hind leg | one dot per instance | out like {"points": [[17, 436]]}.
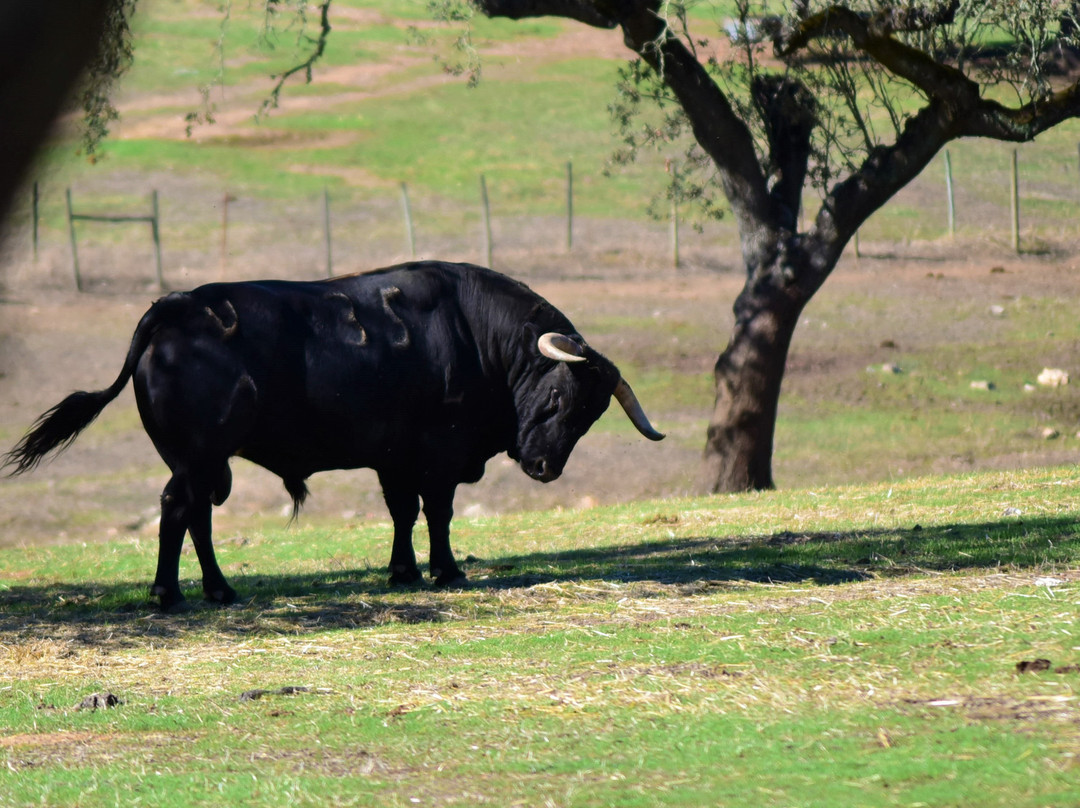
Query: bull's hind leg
{"points": [[186, 506], [215, 587], [175, 517], [404, 506]]}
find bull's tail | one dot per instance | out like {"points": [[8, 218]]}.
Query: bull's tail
{"points": [[57, 428]]}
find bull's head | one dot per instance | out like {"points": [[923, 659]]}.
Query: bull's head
{"points": [[565, 400]]}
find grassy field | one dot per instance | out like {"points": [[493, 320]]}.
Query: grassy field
{"points": [[830, 644], [833, 646]]}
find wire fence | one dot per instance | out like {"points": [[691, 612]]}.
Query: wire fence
{"points": [[94, 234]]}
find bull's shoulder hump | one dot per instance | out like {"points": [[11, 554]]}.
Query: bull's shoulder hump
{"points": [[435, 273], [409, 287]]}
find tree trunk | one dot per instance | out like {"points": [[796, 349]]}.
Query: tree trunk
{"points": [[748, 376]]}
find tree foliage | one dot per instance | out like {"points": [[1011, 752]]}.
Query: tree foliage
{"points": [[813, 62], [111, 59], [310, 24]]}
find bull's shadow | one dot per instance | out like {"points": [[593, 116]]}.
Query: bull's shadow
{"points": [[121, 614]]}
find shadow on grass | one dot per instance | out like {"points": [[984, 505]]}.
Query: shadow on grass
{"points": [[121, 614]]}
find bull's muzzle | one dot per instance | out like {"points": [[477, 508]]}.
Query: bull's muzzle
{"points": [[541, 469]]}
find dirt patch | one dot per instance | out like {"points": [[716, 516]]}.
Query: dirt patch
{"points": [[50, 739], [162, 115], [987, 708]]}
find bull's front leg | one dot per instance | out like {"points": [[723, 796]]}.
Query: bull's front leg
{"points": [[404, 506], [439, 510]]}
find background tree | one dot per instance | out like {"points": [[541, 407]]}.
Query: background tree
{"points": [[853, 98]]}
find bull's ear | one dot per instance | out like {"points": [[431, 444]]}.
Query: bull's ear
{"points": [[560, 347], [530, 334]]}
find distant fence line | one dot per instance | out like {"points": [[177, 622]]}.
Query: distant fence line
{"points": [[487, 246], [950, 200], [153, 219]]}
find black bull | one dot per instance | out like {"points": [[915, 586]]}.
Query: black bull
{"points": [[421, 372]]}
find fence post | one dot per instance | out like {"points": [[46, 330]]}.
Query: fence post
{"points": [[74, 246], [674, 234], [950, 199], [569, 205], [1014, 199], [326, 233], [226, 198], [407, 209], [155, 231], [487, 219], [36, 218]]}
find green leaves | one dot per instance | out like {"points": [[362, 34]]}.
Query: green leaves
{"points": [[114, 56]]}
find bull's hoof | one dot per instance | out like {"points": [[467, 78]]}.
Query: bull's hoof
{"points": [[170, 600], [223, 594], [404, 576], [454, 579]]}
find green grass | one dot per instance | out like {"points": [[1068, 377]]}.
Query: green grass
{"points": [[445, 137], [831, 646]]}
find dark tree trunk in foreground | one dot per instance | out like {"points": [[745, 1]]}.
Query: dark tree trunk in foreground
{"points": [[44, 47], [784, 268]]}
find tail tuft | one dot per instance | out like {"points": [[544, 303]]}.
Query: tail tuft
{"points": [[56, 429]]}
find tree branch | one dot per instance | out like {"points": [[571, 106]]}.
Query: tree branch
{"points": [[884, 22], [885, 171], [993, 120], [597, 14], [789, 112], [306, 66], [716, 126], [888, 169], [872, 34], [955, 109]]}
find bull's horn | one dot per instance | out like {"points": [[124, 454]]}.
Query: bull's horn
{"points": [[625, 396], [560, 347]]}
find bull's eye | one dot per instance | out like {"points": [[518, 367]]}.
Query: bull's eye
{"points": [[554, 398]]}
